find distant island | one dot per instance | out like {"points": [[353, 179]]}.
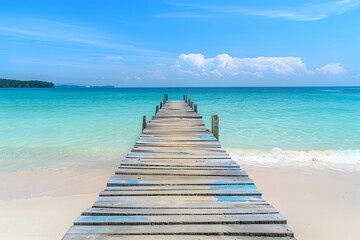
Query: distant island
{"points": [[10, 83]]}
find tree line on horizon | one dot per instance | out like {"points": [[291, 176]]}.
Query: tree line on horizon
{"points": [[11, 83]]}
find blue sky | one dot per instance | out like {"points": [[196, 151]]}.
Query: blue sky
{"points": [[181, 43]]}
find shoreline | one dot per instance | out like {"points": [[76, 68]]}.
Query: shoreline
{"points": [[344, 159]]}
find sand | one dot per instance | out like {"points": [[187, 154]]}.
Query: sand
{"points": [[319, 202]]}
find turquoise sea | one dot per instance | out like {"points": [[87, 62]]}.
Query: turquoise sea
{"points": [[61, 128]]}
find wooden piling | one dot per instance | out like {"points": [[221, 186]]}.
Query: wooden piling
{"points": [[166, 97], [157, 109], [144, 123], [195, 108], [161, 104], [215, 125]]}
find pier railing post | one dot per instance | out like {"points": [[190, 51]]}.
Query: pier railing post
{"points": [[161, 104], [195, 108], [215, 125], [192, 104], [166, 97], [143, 123], [157, 109]]}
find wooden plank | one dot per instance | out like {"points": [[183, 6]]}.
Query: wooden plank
{"points": [[177, 116], [266, 230], [162, 149], [176, 144], [185, 125], [182, 172], [116, 180], [180, 199], [181, 167], [182, 187], [186, 192], [172, 151], [183, 155], [182, 219], [193, 162], [189, 138], [141, 204], [166, 130], [165, 237], [254, 209]]}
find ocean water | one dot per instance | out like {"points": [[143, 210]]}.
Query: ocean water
{"points": [[62, 128]]}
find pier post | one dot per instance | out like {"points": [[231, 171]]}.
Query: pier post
{"points": [[215, 125], [188, 102], [192, 104], [161, 104], [184, 97], [157, 109], [195, 108], [166, 97], [144, 123]]}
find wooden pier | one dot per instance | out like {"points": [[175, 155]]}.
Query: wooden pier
{"points": [[178, 183]]}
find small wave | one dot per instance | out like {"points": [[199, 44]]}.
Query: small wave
{"points": [[332, 90], [278, 155]]}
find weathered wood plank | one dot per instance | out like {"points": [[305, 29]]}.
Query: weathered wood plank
{"points": [[165, 237], [184, 192], [182, 187], [182, 219], [171, 205], [182, 172], [254, 209], [266, 230], [173, 201], [180, 167], [189, 149], [184, 155], [193, 162], [165, 144], [116, 180]]}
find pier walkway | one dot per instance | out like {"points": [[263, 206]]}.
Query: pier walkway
{"points": [[178, 183]]}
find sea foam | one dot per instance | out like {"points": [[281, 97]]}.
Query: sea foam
{"points": [[278, 155]]}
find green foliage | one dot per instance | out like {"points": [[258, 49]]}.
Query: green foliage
{"points": [[9, 83]]}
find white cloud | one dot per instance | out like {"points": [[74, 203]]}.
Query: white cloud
{"points": [[331, 68], [226, 65]]}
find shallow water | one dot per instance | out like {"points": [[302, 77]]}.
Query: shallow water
{"points": [[61, 128]]}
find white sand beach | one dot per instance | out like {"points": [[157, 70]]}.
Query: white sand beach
{"points": [[319, 202]]}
